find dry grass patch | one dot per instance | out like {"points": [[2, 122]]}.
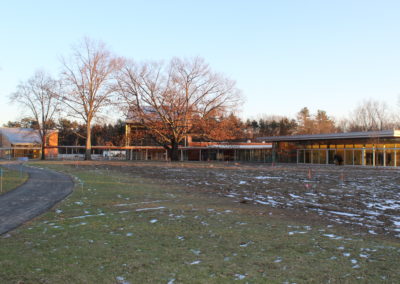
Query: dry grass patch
{"points": [[121, 227]]}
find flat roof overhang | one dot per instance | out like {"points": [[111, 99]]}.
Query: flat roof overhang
{"points": [[333, 136], [221, 147]]}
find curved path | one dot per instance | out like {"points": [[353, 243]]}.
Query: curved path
{"points": [[43, 189]]}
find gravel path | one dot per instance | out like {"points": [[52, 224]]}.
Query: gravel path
{"points": [[43, 190]]}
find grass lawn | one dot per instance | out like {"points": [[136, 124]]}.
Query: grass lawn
{"points": [[118, 228], [12, 179]]}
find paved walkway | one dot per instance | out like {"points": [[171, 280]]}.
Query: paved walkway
{"points": [[43, 189]]}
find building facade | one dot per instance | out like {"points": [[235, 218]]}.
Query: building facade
{"points": [[140, 146], [376, 148], [25, 142]]}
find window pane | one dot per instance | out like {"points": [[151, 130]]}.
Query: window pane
{"points": [[349, 157]]}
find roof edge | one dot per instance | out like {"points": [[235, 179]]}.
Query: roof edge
{"points": [[343, 135]]}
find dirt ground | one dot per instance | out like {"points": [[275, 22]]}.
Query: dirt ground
{"points": [[366, 199]]}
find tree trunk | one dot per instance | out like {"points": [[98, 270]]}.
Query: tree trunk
{"points": [[43, 155], [88, 150], [174, 152]]}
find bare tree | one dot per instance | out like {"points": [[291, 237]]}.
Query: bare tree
{"points": [[169, 99], [88, 83], [371, 115], [38, 95]]}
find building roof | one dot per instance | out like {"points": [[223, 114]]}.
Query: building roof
{"points": [[133, 117], [21, 136], [333, 136], [233, 146]]}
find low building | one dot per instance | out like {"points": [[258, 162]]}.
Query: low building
{"points": [[222, 151], [25, 142], [374, 148], [141, 146]]}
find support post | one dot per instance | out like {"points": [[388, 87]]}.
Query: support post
{"points": [[373, 156], [384, 156], [363, 156]]}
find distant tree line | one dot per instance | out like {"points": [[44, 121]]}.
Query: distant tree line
{"points": [[73, 133], [368, 116]]}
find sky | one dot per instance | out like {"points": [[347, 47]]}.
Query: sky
{"points": [[283, 54]]}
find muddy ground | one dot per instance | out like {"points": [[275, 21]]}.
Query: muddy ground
{"points": [[366, 199]]}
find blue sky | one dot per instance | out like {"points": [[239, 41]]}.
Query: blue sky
{"points": [[283, 54]]}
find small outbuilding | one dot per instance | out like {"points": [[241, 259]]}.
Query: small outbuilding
{"points": [[25, 142]]}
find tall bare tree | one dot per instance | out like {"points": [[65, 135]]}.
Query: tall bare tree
{"points": [[371, 115], [38, 96], [169, 99], [88, 83]]}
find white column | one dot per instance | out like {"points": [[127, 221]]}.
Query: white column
{"points": [[384, 155], [373, 156], [363, 157]]}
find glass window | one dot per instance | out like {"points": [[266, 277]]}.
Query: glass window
{"points": [[397, 158], [322, 156], [301, 156], [315, 156], [378, 157], [357, 157], [389, 158], [390, 145], [348, 157], [308, 157], [331, 156], [339, 156], [369, 157]]}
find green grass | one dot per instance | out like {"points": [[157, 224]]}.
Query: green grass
{"points": [[12, 179], [196, 238]]}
